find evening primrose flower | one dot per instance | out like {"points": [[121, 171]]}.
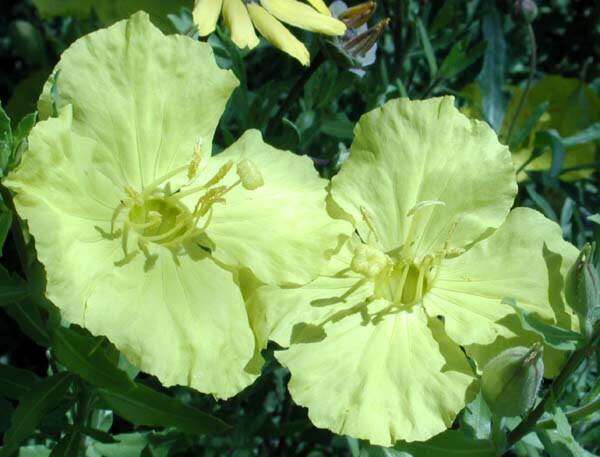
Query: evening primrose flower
{"points": [[140, 230], [242, 16], [375, 344]]}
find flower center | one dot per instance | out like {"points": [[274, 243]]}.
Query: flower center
{"points": [[399, 276], [161, 215]]}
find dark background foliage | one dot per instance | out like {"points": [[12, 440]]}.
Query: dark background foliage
{"points": [[309, 111]]}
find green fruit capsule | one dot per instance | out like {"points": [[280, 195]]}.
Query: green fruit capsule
{"points": [[510, 380]]}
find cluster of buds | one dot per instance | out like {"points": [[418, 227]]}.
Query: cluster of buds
{"points": [[357, 47]]}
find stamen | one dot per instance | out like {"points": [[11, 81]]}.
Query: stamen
{"points": [[154, 184], [369, 221], [249, 174], [196, 158], [369, 261], [424, 204]]}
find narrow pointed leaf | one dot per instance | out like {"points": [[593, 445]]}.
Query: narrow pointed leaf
{"points": [[145, 406], [46, 395], [85, 356]]}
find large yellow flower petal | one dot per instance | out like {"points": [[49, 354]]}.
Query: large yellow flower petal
{"points": [[280, 314], [238, 20], [276, 33], [382, 377], [281, 230], [424, 163], [525, 259], [181, 318], [144, 96], [206, 14], [304, 16]]}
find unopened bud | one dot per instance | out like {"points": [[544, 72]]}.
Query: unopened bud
{"points": [[249, 174], [583, 290], [510, 381], [525, 11], [358, 15], [369, 261]]}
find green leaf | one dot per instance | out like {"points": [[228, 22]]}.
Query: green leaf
{"points": [[24, 127], [592, 133], [445, 15], [6, 141], [144, 406], [491, 78], [34, 450], [85, 356], [459, 59], [28, 316], [5, 223], [12, 288], [560, 442], [477, 419], [339, 127], [98, 435], [521, 135], [427, 48], [129, 444], [552, 139], [556, 337], [541, 202], [15, 382], [68, 445], [450, 443], [46, 395]]}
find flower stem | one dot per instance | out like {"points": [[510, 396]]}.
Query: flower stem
{"points": [[532, 66], [530, 422], [574, 415], [295, 91]]}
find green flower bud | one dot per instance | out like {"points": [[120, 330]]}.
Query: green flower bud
{"points": [[510, 380], [583, 290], [525, 11]]}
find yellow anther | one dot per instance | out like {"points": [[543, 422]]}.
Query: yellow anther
{"points": [[249, 174], [369, 261], [196, 158], [219, 175]]}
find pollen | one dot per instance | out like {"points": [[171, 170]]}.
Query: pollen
{"points": [[369, 261]]}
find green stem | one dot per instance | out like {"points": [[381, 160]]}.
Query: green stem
{"points": [[532, 66], [574, 415], [529, 423], [16, 231], [295, 91]]}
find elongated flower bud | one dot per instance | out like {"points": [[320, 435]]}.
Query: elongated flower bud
{"points": [[510, 381], [583, 290]]}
